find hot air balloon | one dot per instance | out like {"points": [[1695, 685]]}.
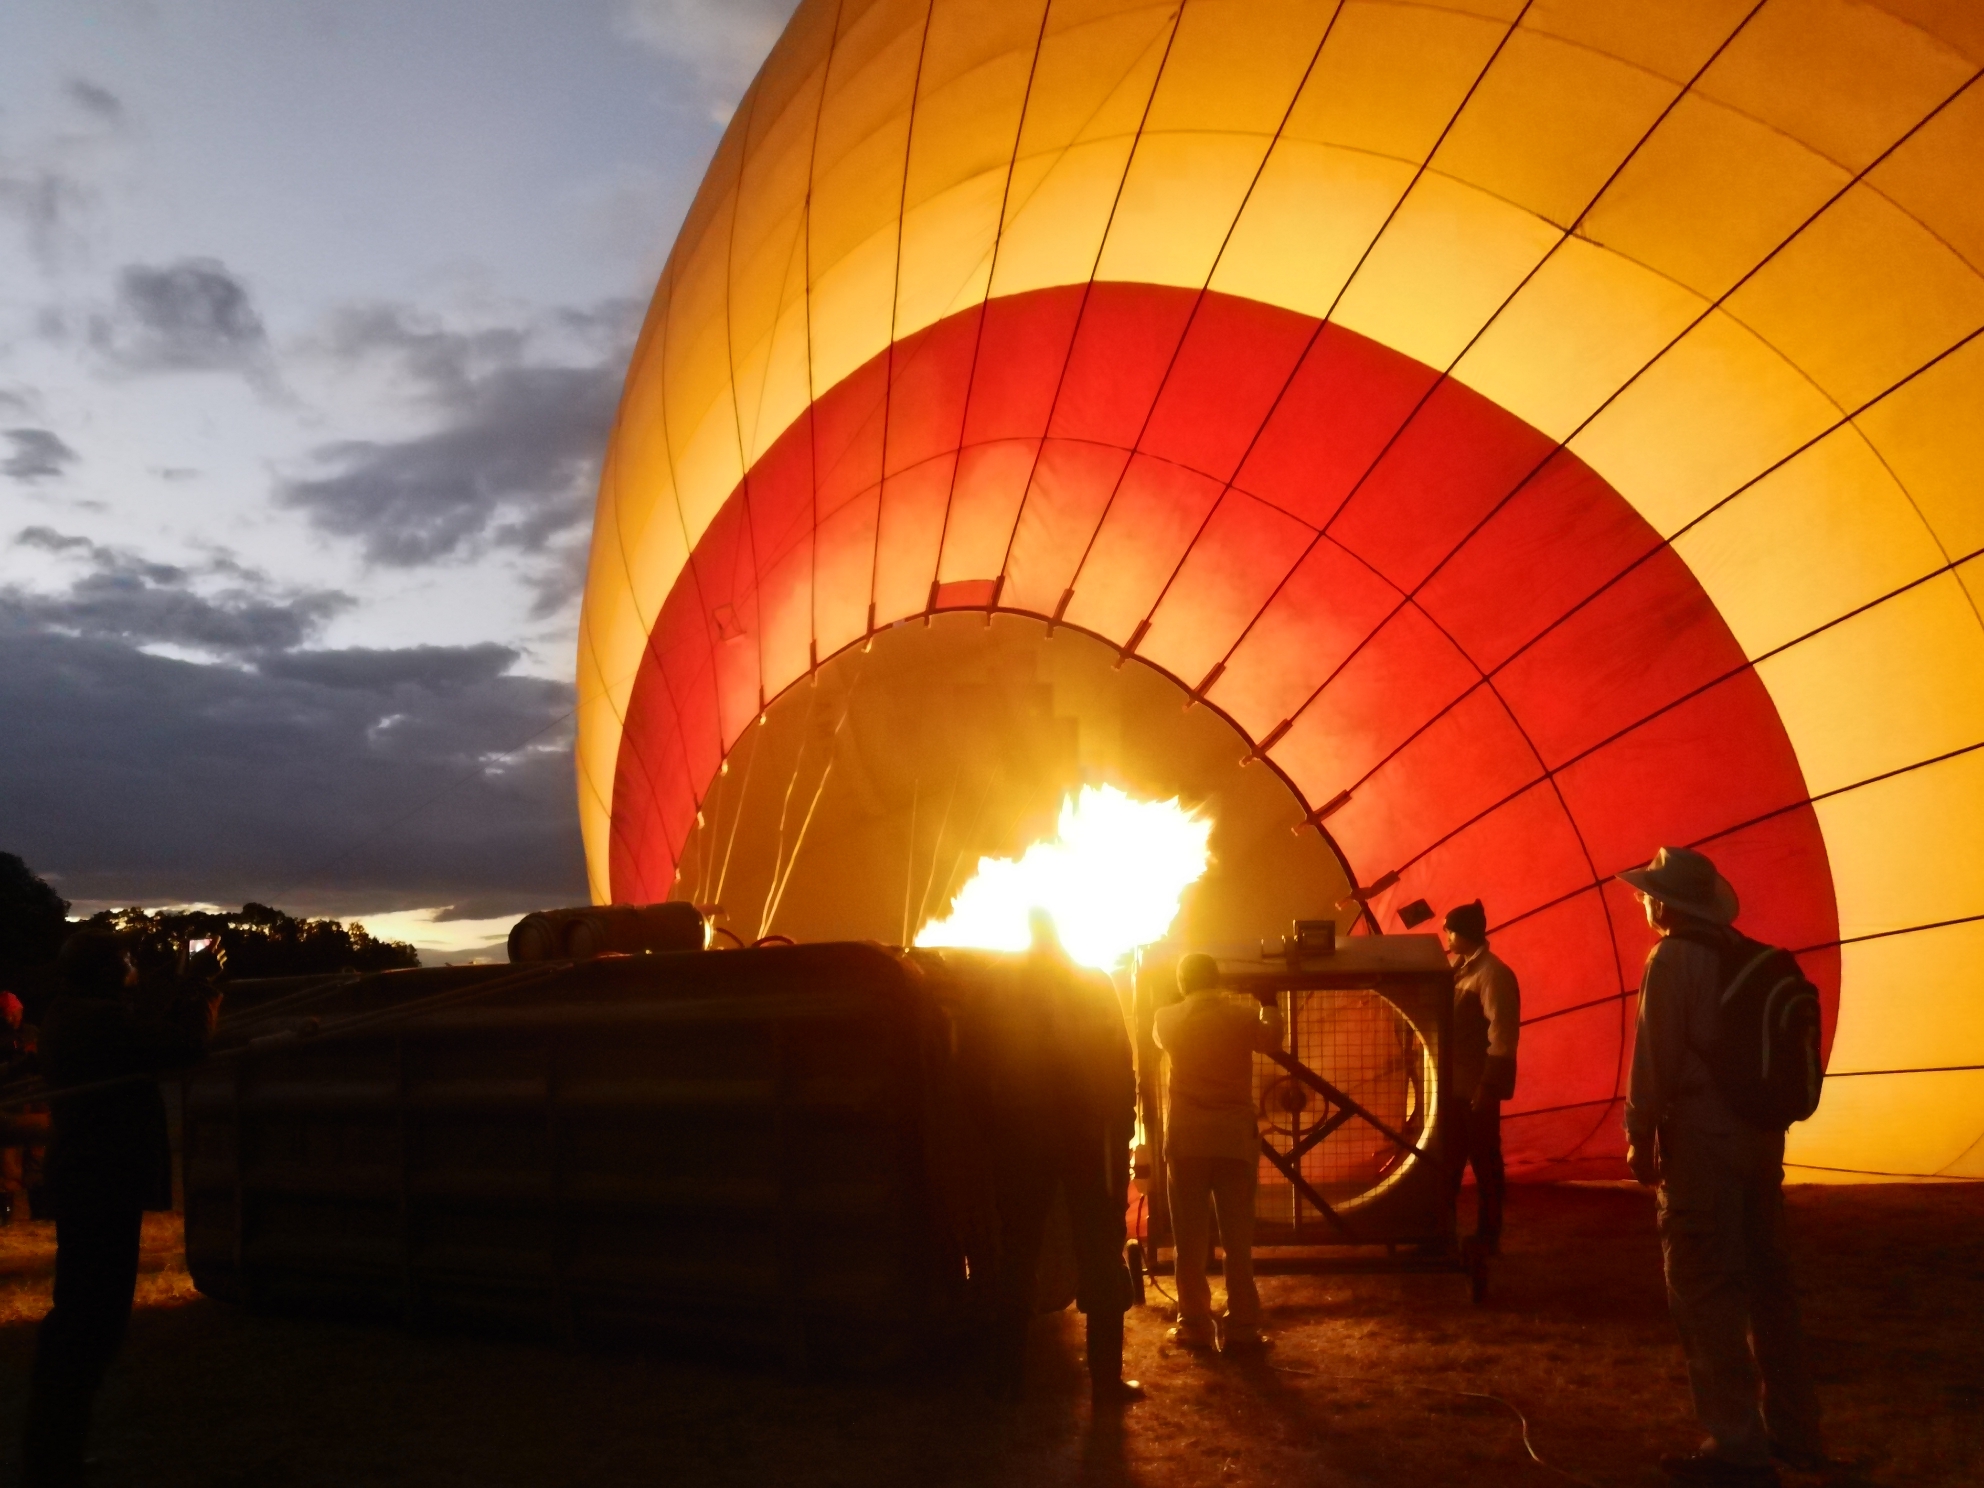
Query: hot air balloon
{"points": [[1526, 434]]}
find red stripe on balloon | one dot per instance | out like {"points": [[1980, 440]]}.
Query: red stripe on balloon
{"points": [[1440, 606]]}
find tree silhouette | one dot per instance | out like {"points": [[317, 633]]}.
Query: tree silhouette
{"points": [[260, 941], [34, 919]]}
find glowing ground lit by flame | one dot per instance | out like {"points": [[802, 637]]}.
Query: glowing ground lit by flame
{"points": [[1111, 877]]}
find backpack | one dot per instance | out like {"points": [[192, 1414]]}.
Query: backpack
{"points": [[1765, 1061]]}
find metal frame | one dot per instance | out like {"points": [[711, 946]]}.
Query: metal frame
{"points": [[1411, 1227]]}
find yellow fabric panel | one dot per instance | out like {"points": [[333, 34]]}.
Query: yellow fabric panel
{"points": [[1094, 75], [1179, 200], [947, 252], [1839, 510], [1057, 211], [854, 308], [1900, 683], [1574, 334], [1235, 65], [1391, 76], [1861, 298], [1709, 194], [1837, 75], [771, 372], [1444, 265], [1903, 1124], [1904, 850], [1549, 123], [968, 103], [1901, 1015], [1091, 85], [1713, 413], [1931, 435], [863, 131], [1310, 217], [1933, 176], [1672, 39]]}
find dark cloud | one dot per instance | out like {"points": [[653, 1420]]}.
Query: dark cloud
{"points": [[49, 202], [219, 607], [132, 777], [189, 316], [95, 100], [429, 668], [38, 454], [512, 467]]}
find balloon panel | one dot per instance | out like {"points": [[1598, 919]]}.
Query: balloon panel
{"points": [[1542, 432]]}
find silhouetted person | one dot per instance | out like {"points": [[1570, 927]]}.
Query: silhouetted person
{"points": [[1061, 1103], [1487, 1023], [1721, 1182], [1212, 1146], [109, 1161], [19, 1158]]}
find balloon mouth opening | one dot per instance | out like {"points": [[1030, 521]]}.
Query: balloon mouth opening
{"points": [[934, 783]]}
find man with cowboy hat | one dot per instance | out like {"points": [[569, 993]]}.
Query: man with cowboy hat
{"points": [[1721, 1180]]}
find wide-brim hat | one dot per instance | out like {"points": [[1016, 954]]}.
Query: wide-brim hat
{"points": [[1686, 881]]}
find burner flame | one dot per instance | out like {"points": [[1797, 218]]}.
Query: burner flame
{"points": [[1112, 878]]}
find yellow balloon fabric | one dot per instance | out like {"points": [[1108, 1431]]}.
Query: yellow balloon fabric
{"points": [[1722, 261]]}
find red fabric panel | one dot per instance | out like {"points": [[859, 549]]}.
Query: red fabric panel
{"points": [[1568, 1060], [1562, 956], [1018, 364], [1328, 606], [1524, 854], [1071, 486], [1671, 779], [1247, 549], [1467, 762], [1533, 1145], [1124, 344], [1561, 537], [985, 502], [846, 552], [1647, 640], [847, 438], [965, 594], [930, 375], [1157, 510], [1404, 676], [728, 587], [1236, 358], [1348, 398], [1446, 471], [912, 526]]}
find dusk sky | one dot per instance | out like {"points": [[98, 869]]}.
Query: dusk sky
{"points": [[313, 316]]}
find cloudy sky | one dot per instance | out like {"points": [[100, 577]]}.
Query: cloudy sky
{"points": [[313, 314]]}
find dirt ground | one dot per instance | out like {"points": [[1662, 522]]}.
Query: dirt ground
{"points": [[1362, 1386]]}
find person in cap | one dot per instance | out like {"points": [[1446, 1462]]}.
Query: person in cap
{"points": [[1721, 1196], [1487, 1023], [1212, 1146], [109, 1160]]}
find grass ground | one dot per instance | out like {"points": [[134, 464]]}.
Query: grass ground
{"points": [[1354, 1392]]}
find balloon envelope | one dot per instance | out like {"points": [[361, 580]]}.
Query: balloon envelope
{"points": [[1540, 432]]}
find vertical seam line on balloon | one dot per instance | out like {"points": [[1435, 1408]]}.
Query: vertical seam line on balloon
{"points": [[1185, 334], [1088, 285], [812, 392], [745, 463], [648, 651], [1315, 335], [895, 308], [985, 304]]}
